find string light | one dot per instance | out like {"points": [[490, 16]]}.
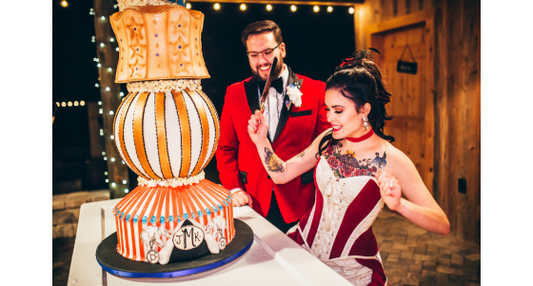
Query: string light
{"points": [[243, 6], [351, 10], [269, 7], [216, 6], [330, 9], [188, 5], [70, 103], [316, 9], [102, 18], [64, 4], [293, 8]]}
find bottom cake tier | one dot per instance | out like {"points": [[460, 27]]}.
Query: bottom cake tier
{"points": [[162, 224]]}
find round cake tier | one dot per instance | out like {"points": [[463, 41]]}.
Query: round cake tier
{"points": [[159, 42], [166, 129], [166, 209]]}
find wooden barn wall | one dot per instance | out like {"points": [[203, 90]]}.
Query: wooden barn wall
{"points": [[457, 97]]}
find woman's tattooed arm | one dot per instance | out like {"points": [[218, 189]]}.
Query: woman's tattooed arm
{"points": [[273, 162]]}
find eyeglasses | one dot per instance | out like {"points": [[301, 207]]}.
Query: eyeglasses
{"points": [[265, 52]]}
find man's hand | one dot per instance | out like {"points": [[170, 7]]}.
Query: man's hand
{"points": [[241, 198]]}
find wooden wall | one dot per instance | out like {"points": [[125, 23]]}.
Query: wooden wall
{"points": [[457, 95]]}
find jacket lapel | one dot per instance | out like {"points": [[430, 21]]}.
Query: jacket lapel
{"points": [[252, 95], [285, 113]]}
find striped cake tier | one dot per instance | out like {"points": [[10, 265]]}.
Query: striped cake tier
{"points": [[165, 208], [166, 129]]}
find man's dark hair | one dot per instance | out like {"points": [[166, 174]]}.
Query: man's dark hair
{"points": [[260, 27]]}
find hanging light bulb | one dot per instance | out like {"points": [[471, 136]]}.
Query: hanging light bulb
{"points": [[64, 4], [188, 5], [330, 9], [351, 10], [293, 8], [316, 9], [216, 6], [243, 6], [269, 7]]}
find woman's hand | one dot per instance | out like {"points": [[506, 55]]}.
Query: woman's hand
{"points": [[257, 127], [390, 188]]}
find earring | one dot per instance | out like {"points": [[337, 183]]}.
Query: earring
{"points": [[365, 123]]}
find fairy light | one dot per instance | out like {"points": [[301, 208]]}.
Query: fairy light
{"points": [[242, 7], [351, 10], [269, 7], [64, 4], [316, 9], [102, 18], [293, 8], [188, 6], [216, 6], [109, 69], [330, 9]]}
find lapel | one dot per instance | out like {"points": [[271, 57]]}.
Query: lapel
{"points": [[250, 88], [252, 95], [284, 116]]}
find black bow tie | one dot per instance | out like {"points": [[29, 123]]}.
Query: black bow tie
{"points": [[277, 84]]}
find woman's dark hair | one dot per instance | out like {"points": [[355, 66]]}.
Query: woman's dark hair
{"points": [[359, 79]]}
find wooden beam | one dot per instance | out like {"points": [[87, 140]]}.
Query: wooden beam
{"points": [[274, 2]]}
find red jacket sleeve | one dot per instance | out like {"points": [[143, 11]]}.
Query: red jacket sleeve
{"points": [[322, 123], [228, 146]]}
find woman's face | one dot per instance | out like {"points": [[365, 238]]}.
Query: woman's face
{"points": [[343, 116]]}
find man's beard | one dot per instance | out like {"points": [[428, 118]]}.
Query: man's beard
{"points": [[277, 72]]}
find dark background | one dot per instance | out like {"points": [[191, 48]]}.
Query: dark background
{"points": [[316, 43]]}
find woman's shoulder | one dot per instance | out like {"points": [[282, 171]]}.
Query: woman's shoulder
{"points": [[397, 158]]}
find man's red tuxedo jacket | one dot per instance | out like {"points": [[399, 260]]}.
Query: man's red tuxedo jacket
{"points": [[238, 162]]}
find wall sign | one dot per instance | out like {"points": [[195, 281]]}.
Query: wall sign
{"points": [[407, 67]]}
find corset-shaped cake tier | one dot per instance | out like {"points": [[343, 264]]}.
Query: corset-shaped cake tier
{"points": [[159, 42], [166, 129]]}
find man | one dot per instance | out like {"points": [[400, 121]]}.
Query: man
{"points": [[293, 124]]}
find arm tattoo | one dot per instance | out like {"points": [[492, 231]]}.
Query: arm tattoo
{"points": [[274, 164], [301, 154]]}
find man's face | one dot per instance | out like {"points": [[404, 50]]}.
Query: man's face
{"points": [[261, 52]]}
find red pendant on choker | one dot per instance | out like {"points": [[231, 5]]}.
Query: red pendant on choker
{"points": [[362, 138]]}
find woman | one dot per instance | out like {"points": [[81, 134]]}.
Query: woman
{"points": [[357, 172]]}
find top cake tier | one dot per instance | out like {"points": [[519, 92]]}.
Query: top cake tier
{"points": [[159, 42]]}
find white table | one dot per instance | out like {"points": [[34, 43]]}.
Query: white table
{"points": [[273, 258]]}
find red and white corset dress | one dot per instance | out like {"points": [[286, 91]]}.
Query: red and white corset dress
{"points": [[338, 229]]}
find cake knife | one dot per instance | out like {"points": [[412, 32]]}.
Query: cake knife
{"points": [[268, 82]]}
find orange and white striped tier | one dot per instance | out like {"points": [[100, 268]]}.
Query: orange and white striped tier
{"points": [[166, 207]]}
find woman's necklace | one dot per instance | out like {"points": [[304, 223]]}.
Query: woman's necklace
{"points": [[362, 138]]}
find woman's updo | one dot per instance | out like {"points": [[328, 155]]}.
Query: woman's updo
{"points": [[359, 79]]}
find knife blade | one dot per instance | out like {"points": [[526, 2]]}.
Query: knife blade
{"points": [[268, 82]]}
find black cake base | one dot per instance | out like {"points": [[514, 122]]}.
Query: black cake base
{"points": [[111, 261]]}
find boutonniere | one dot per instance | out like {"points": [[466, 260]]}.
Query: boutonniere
{"points": [[295, 96]]}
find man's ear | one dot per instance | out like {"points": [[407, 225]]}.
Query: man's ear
{"points": [[282, 49]]}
